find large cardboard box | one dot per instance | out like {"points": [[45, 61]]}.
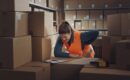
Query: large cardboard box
{"points": [[118, 24], [97, 45], [31, 71], [41, 23], [108, 47], [125, 24], [41, 48], [15, 52], [123, 53], [104, 74], [114, 24], [13, 24], [14, 5], [69, 69]]}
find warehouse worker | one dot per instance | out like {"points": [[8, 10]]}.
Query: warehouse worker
{"points": [[74, 44]]}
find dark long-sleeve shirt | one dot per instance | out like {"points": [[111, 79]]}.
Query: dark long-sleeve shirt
{"points": [[86, 38]]}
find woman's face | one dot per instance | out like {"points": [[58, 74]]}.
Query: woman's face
{"points": [[65, 36]]}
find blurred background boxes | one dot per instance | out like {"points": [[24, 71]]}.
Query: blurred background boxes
{"points": [[15, 52]]}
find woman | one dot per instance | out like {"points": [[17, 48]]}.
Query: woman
{"points": [[74, 44]]}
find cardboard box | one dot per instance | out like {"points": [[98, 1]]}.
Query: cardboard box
{"points": [[92, 24], [118, 24], [108, 47], [41, 48], [125, 24], [103, 74], [122, 53], [83, 15], [55, 4], [114, 24], [41, 2], [85, 24], [31, 71], [13, 24], [68, 70], [15, 5], [99, 24], [41, 24], [70, 15], [15, 52], [97, 45]]}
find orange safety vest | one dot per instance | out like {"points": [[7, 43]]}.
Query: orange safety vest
{"points": [[75, 47]]}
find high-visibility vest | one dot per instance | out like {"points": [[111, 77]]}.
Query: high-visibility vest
{"points": [[76, 47]]}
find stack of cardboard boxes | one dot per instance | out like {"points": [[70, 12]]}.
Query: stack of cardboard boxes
{"points": [[16, 43], [118, 28], [115, 50], [41, 27]]}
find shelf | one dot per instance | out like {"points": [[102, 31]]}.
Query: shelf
{"points": [[34, 5], [96, 9]]}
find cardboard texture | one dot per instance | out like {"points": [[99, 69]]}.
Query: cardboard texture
{"points": [[104, 74], [122, 53], [15, 5], [15, 52], [41, 48], [108, 47], [68, 70], [41, 24], [13, 24], [31, 71], [114, 25], [97, 45], [118, 24]]}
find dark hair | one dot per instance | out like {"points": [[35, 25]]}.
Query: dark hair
{"points": [[65, 28]]}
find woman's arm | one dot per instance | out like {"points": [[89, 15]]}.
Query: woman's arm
{"points": [[58, 49], [89, 37]]}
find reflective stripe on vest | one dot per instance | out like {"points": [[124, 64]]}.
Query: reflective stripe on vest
{"points": [[75, 47]]}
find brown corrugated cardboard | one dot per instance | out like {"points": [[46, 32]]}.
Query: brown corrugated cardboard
{"points": [[104, 74], [31, 71], [41, 48], [108, 47], [68, 70], [118, 24], [114, 24], [14, 5], [15, 52], [13, 24], [97, 45], [122, 53], [125, 24], [41, 23]]}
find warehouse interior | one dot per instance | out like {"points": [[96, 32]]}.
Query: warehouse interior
{"points": [[29, 32]]}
